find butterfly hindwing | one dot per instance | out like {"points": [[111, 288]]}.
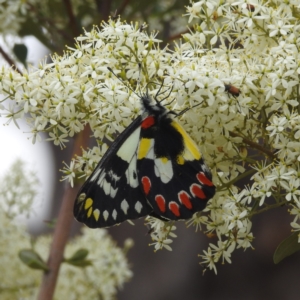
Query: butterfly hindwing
{"points": [[171, 172], [112, 194]]}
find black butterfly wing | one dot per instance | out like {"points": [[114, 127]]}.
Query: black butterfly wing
{"points": [[172, 174], [112, 193]]}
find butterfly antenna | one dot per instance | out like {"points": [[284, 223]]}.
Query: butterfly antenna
{"points": [[187, 109], [110, 70], [139, 78], [160, 93]]}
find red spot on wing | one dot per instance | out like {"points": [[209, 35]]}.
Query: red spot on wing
{"points": [[174, 208], [203, 179], [161, 203], [146, 184], [148, 122], [197, 191], [184, 198]]}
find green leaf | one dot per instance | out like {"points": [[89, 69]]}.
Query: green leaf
{"points": [[78, 258], [79, 263], [32, 259], [286, 248], [21, 51], [79, 254]]}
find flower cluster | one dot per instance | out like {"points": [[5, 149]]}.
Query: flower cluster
{"points": [[250, 130], [18, 190], [16, 283], [107, 271], [11, 16], [161, 233]]}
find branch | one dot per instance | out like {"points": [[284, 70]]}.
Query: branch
{"points": [[254, 145], [72, 18], [178, 35], [48, 22], [103, 7], [62, 228], [9, 60], [122, 7], [268, 207]]}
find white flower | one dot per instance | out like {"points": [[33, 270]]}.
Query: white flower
{"points": [[194, 10], [278, 125], [70, 173], [292, 189], [208, 260], [279, 27]]}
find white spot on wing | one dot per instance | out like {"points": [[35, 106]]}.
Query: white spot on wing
{"points": [[107, 187], [129, 147], [205, 168], [163, 169], [131, 173], [113, 176], [99, 182], [114, 214], [95, 175], [105, 215], [138, 207], [150, 154], [124, 206]]}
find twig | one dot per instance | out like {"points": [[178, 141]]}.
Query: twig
{"points": [[267, 207], [44, 20], [72, 18], [122, 7], [178, 35], [254, 145], [9, 60], [62, 229], [103, 7]]}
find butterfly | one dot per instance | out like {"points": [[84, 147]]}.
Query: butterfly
{"points": [[152, 168]]}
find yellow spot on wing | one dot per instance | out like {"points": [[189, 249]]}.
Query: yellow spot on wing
{"points": [[164, 160], [191, 151], [144, 148], [96, 214], [88, 203], [180, 160], [89, 213]]}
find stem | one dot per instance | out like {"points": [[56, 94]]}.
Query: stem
{"points": [[254, 145], [298, 98], [228, 184], [267, 207], [62, 228]]}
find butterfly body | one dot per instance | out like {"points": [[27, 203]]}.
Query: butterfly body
{"points": [[152, 168]]}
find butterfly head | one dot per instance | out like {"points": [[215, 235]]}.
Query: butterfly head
{"points": [[152, 107]]}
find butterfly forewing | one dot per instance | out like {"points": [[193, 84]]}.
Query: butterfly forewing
{"points": [[172, 173], [112, 194]]}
